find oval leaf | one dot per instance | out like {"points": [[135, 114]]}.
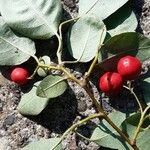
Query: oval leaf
{"points": [[105, 135], [51, 86], [45, 144], [123, 20], [124, 44], [143, 140], [14, 50], [102, 8], [85, 36], [37, 19], [31, 104], [120, 43], [145, 84], [144, 47]]}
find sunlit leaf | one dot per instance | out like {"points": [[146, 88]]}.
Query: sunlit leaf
{"points": [[45, 144], [143, 140], [101, 8], [51, 86], [14, 50], [30, 103], [84, 37], [37, 19], [106, 136]]}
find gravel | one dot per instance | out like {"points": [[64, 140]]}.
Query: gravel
{"points": [[16, 130]]}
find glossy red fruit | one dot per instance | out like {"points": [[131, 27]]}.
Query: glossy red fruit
{"points": [[129, 67], [19, 75], [111, 83]]}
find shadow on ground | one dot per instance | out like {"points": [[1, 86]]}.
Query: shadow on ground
{"points": [[59, 113]]}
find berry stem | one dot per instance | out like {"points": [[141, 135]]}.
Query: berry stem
{"points": [[136, 98], [82, 136], [140, 106], [34, 73]]}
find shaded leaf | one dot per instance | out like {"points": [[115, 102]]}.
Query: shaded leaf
{"points": [[143, 140], [84, 37], [130, 124], [121, 42], [44, 144], [44, 71], [102, 8], [135, 119], [106, 136], [35, 19], [14, 50], [144, 48], [112, 50], [31, 104], [51, 86], [123, 20], [145, 85]]}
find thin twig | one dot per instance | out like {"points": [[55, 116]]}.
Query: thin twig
{"points": [[136, 98], [76, 125], [140, 123]]}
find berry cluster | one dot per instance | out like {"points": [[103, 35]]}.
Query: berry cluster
{"points": [[128, 68]]}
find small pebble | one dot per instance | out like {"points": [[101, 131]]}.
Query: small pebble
{"points": [[9, 120]]}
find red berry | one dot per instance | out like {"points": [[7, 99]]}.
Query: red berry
{"points": [[111, 83], [129, 67], [19, 75]]}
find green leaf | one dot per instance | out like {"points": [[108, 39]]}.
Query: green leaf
{"points": [[145, 85], [143, 140], [51, 86], [14, 50], [130, 123], [128, 128], [35, 19], [124, 44], [106, 136], [146, 90], [84, 37], [44, 144], [144, 48], [117, 46], [42, 72], [31, 104], [101, 8], [120, 43], [123, 20]]}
